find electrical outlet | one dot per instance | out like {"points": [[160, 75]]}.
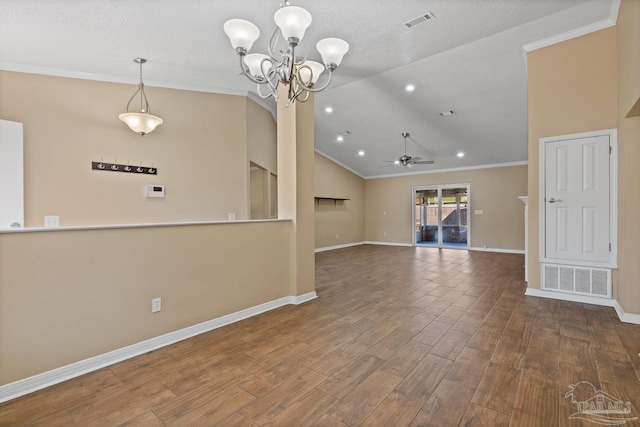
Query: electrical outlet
{"points": [[156, 305], [51, 221], [337, 236]]}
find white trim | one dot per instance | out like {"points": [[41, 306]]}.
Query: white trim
{"points": [[58, 375], [626, 317], [117, 226], [614, 11], [346, 245], [467, 168], [613, 198], [369, 242], [607, 302], [503, 251], [326, 156], [572, 34]]}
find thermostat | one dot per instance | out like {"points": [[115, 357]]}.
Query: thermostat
{"points": [[154, 190]]}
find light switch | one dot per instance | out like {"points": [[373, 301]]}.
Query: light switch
{"points": [[478, 212]]}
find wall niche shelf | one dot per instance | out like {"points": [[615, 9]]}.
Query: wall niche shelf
{"points": [[335, 200]]}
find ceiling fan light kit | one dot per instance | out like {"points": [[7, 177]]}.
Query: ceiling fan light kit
{"points": [[284, 65], [143, 122], [406, 160]]}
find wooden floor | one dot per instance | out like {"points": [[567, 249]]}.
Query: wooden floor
{"points": [[398, 336]]}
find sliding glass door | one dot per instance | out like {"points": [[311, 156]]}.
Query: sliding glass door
{"points": [[440, 215]]}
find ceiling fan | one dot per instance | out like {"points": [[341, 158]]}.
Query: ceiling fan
{"points": [[406, 160]]}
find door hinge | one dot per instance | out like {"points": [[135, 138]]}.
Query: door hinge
{"points": [[610, 150], [609, 247]]}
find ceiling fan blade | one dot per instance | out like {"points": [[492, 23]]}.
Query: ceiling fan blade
{"points": [[391, 161], [416, 159], [424, 162]]}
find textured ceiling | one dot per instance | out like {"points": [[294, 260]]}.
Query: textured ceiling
{"points": [[469, 59]]}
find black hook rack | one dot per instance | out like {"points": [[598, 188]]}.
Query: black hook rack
{"points": [[117, 167]]}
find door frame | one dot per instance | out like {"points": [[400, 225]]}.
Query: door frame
{"points": [[439, 188], [613, 197]]}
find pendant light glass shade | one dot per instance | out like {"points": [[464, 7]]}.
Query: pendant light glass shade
{"points": [[254, 62], [141, 122], [332, 50], [312, 73], [293, 21], [241, 33]]}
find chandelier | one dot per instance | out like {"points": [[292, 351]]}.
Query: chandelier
{"points": [[143, 122], [286, 66]]}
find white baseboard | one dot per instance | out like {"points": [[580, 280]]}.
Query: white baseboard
{"points": [[58, 375], [346, 245], [387, 243], [626, 317], [504, 251], [607, 302]]}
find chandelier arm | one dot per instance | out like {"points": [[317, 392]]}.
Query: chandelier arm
{"points": [[272, 82], [304, 57], [324, 86], [273, 44], [303, 99], [263, 95]]}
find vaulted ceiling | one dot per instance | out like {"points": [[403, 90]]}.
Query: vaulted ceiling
{"points": [[468, 58]]}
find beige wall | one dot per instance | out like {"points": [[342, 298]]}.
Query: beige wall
{"points": [[261, 137], [628, 32], [342, 222], [388, 204], [53, 314], [262, 151], [200, 152], [572, 88]]}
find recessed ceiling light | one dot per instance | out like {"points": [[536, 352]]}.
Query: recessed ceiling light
{"points": [[410, 88], [447, 113], [328, 110], [460, 154], [361, 153], [340, 138]]}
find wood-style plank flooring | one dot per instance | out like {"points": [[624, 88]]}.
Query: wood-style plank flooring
{"points": [[397, 337]]}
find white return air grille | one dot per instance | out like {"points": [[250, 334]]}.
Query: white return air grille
{"points": [[577, 280]]}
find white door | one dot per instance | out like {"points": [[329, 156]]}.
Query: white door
{"points": [[576, 199], [11, 178]]}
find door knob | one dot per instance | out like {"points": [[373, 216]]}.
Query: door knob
{"points": [[553, 200]]}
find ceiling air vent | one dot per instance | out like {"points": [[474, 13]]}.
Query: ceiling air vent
{"points": [[419, 19]]}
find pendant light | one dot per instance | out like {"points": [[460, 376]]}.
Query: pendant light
{"points": [[143, 122]]}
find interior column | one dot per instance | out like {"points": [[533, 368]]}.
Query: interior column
{"points": [[295, 135]]}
